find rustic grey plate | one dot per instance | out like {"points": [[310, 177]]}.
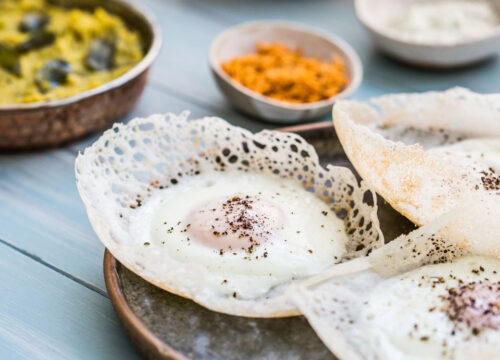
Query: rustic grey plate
{"points": [[166, 326]]}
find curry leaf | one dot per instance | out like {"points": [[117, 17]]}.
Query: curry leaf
{"points": [[100, 55], [33, 21], [9, 59], [52, 74]]}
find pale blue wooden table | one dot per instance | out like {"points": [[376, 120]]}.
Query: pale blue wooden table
{"points": [[53, 302]]}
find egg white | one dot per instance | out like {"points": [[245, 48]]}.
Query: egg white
{"points": [[404, 316], [482, 151], [310, 239]]}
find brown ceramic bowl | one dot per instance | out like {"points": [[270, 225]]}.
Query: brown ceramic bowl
{"points": [[52, 123]]}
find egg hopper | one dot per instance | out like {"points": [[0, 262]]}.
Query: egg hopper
{"points": [[165, 326]]}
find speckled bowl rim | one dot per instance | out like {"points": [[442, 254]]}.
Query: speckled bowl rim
{"points": [[382, 32], [130, 322], [346, 50], [141, 66]]}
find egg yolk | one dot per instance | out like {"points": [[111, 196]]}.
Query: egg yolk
{"points": [[239, 222], [477, 304]]}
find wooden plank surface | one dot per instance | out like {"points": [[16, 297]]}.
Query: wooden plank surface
{"points": [[46, 315], [52, 296]]}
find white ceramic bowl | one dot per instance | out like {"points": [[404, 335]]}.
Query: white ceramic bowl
{"points": [[375, 14], [241, 40]]}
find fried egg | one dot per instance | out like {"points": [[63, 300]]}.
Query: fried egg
{"points": [[424, 152], [432, 311], [431, 294], [222, 216], [252, 233]]}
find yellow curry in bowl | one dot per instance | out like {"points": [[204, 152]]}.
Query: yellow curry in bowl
{"points": [[49, 52]]}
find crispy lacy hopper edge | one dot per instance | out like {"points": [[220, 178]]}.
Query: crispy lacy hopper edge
{"points": [[418, 184], [87, 168]]}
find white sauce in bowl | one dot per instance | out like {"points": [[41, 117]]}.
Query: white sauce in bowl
{"points": [[445, 22]]}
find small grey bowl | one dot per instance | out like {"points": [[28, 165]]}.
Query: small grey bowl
{"points": [[241, 40], [374, 15]]}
